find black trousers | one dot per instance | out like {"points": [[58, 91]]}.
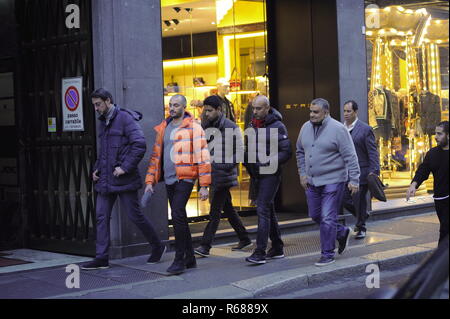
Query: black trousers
{"points": [[179, 194], [442, 212], [221, 201], [357, 205]]}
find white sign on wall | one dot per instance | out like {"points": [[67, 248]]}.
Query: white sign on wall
{"points": [[72, 104]]}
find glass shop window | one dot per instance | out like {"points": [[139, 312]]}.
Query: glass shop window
{"points": [[216, 47], [408, 63]]}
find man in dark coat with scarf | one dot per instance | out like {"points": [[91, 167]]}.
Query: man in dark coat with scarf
{"points": [[122, 147], [220, 133], [267, 149]]}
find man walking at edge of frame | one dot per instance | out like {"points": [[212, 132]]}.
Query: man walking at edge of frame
{"points": [[436, 161]]}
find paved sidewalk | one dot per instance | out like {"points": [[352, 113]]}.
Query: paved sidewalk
{"points": [[390, 244]]}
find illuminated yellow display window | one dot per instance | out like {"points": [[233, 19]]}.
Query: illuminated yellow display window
{"points": [[409, 84], [209, 45]]}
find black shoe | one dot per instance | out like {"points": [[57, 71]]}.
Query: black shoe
{"points": [[361, 234], [325, 261], [275, 253], [202, 251], [96, 264], [343, 242], [242, 245], [256, 258], [190, 262], [156, 255], [177, 267]]}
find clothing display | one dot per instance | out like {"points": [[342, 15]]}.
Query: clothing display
{"points": [[430, 115]]}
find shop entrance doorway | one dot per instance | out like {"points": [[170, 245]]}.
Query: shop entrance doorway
{"points": [[58, 200]]}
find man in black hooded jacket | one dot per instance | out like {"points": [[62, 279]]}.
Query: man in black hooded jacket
{"points": [[267, 148], [221, 132]]}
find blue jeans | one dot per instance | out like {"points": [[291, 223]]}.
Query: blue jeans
{"points": [[129, 201], [267, 219], [323, 206]]}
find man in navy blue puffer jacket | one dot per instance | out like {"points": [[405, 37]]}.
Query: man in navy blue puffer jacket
{"points": [[267, 149], [122, 147]]}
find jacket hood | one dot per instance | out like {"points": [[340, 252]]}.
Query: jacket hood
{"points": [[273, 116], [218, 123], [137, 116]]}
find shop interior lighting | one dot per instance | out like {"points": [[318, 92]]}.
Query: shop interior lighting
{"points": [[222, 8], [226, 47], [189, 61]]}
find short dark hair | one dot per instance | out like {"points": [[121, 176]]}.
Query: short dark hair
{"points": [[354, 105], [214, 101], [444, 125], [102, 94]]}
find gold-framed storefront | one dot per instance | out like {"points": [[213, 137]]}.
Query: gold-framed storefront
{"points": [[216, 47], [407, 49]]}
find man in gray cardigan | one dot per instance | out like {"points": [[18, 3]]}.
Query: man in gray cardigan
{"points": [[326, 160]]}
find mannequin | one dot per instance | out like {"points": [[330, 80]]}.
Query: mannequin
{"points": [[223, 89]]}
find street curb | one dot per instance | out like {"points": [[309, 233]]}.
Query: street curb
{"points": [[288, 281], [305, 278]]}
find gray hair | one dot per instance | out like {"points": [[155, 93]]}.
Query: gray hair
{"points": [[322, 103], [181, 97]]}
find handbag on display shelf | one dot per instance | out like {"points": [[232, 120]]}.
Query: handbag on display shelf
{"points": [[235, 81]]}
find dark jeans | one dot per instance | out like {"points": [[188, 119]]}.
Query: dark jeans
{"points": [[221, 201], [179, 194], [442, 212], [129, 201], [267, 219], [357, 205], [324, 203]]}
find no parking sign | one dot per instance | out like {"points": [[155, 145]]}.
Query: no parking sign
{"points": [[72, 104]]}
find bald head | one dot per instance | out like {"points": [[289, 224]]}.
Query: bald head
{"points": [[261, 100], [261, 107]]}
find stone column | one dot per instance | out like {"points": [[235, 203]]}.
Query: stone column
{"points": [[352, 55], [128, 62]]}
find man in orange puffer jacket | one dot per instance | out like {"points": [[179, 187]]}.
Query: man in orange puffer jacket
{"points": [[180, 157]]}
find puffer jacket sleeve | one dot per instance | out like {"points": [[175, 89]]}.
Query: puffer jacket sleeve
{"points": [[154, 162], [284, 145], [202, 157], [136, 139]]}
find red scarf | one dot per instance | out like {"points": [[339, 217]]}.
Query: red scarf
{"points": [[258, 123]]}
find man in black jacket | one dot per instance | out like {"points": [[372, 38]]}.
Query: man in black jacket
{"points": [[221, 133], [436, 162], [267, 148]]}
